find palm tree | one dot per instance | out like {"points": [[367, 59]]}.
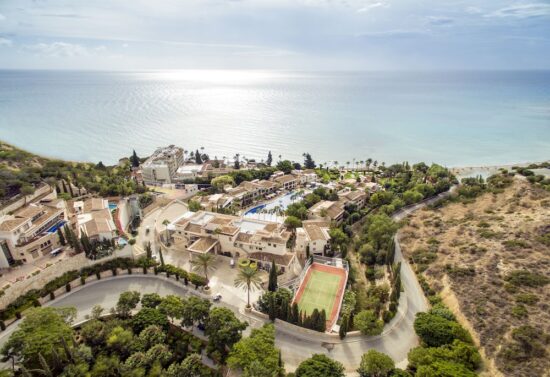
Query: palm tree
{"points": [[166, 222], [248, 279], [204, 262]]}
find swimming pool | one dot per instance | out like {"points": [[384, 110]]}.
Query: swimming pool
{"points": [[274, 210], [112, 206], [56, 226]]}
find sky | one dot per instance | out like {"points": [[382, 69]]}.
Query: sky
{"points": [[275, 34]]}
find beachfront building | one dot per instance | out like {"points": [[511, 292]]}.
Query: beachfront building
{"points": [[312, 238], [325, 209], [93, 217], [237, 237], [161, 167], [30, 232]]}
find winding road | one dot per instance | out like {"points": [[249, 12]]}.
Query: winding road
{"points": [[396, 340]]}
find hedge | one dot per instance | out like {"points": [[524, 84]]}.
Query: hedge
{"points": [[30, 298]]}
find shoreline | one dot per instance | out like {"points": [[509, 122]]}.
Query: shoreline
{"points": [[459, 170]]}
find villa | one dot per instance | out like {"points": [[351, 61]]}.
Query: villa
{"points": [[325, 209], [30, 232], [93, 217], [237, 237], [312, 238]]}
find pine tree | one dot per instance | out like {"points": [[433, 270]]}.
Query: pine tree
{"points": [[272, 286], [308, 161], [269, 159], [62, 240]]}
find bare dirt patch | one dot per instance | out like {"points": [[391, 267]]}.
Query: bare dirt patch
{"points": [[468, 252]]}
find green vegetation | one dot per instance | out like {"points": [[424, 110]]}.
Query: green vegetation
{"points": [[524, 278], [22, 171], [376, 364], [257, 355], [140, 344], [320, 366]]}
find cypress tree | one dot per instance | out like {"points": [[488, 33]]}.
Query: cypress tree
{"points": [[70, 189], [272, 307], [198, 158], [134, 160], [68, 235], [322, 322], [269, 159], [300, 321], [62, 240], [161, 258], [272, 286], [343, 327], [295, 314]]}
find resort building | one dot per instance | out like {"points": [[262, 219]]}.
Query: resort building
{"points": [[305, 177], [162, 166], [355, 197], [287, 182], [93, 217], [237, 237], [312, 238], [325, 209], [30, 232]]}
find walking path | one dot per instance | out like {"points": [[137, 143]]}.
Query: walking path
{"points": [[396, 340]]}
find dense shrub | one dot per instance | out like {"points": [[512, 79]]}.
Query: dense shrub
{"points": [[436, 331]]}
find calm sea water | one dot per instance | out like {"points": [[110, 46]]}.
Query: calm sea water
{"points": [[455, 118]]}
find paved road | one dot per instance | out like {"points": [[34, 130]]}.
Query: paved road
{"points": [[398, 338]]}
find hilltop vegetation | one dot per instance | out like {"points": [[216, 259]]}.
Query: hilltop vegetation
{"points": [[21, 172], [488, 254]]}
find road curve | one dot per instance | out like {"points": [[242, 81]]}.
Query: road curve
{"points": [[396, 340]]}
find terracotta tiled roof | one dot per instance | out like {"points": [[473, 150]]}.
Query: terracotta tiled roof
{"points": [[281, 260], [203, 244], [9, 225]]}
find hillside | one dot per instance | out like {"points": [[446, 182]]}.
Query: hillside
{"points": [[490, 261], [21, 171]]}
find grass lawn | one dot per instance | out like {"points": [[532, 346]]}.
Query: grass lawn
{"points": [[320, 292]]}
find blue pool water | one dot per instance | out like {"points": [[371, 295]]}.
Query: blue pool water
{"points": [[273, 211], [112, 206], [56, 226]]}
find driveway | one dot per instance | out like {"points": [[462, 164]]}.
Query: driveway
{"points": [[396, 340]]}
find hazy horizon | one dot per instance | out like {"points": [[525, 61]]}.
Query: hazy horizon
{"points": [[318, 35]]}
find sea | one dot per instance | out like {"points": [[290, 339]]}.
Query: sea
{"points": [[454, 118]]}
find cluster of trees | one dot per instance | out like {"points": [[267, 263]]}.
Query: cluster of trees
{"points": [[299, 210], [278, 305], [92, 248], [447, 348], [22, 171], [376, 242], [148, 343]]}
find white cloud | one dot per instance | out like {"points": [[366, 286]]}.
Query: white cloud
{"points": [[473, 10], [522, 11], [63, 49], [5, 42], [368, 7]]}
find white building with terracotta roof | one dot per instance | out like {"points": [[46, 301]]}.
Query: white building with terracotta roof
{"points": [[326, 209], [30, 232], [207, 232], [94, 218], [312, 238]]}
